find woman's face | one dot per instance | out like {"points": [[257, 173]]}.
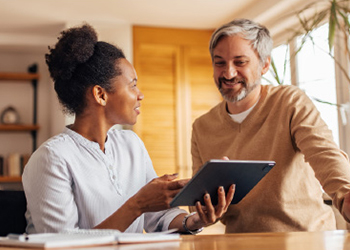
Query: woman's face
{"points": [[123, 105]]}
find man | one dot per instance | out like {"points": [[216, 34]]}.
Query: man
{"points": [[259, 122]]}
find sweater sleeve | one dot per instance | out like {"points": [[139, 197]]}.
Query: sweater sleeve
{"points": [[314, 139], [196, 160]]}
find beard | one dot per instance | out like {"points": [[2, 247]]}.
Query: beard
{"points": [[231, 95]]}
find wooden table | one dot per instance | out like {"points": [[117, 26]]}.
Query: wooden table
{"points": [[330, 240]]}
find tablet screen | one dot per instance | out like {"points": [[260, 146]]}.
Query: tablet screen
{"points": [[216, 173]]}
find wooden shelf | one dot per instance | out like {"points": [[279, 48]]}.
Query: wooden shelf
{"points": [[19, 127], [19, 76], [9, 179]]}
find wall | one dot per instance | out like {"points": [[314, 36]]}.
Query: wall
{"points": [[50, 117]]}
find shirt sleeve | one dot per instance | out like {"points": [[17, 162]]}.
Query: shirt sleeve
{"points": [[48, 187], [157, 221], [160, 221]]}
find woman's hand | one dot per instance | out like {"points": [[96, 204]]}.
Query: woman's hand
{"points": [[209, 214], [154, 196], [158, 193]]}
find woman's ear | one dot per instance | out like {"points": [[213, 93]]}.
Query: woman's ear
{"points": [[100, 95]]}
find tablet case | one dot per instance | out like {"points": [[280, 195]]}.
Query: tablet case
{"points": [[216, 173]]}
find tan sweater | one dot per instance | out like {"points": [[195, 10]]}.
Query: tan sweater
{"points": [[284, 127]]}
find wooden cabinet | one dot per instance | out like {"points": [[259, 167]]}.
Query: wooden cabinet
{"points": [[175, 75], [30, 77]]}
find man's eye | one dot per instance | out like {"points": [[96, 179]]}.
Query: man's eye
{"points": [[240, 63]]}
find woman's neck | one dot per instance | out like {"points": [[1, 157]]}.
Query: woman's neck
{"points": [[92, 129]]}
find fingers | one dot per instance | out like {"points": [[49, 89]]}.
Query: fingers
{"points": [[225, 158], [173, 185], [230, 194], [221, 202], [177, 184], [206, 213], [210, 214], [201, 213], [210, 209], [168, 177]]}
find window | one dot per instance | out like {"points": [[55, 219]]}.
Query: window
{"points": [[280, 56], [316, 76], [315, 73]]}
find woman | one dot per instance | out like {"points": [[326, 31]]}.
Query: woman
{"points": [[92, 176]]}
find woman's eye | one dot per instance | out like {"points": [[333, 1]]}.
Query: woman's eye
{"points": [[133, 84], [219, 63]]}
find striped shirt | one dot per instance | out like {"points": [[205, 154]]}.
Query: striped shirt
{"points": [[70, 183]]}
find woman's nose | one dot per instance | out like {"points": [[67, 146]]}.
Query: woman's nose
{"points": [[140, 96]]}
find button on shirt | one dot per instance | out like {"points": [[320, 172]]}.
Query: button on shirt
{"points": [[70, 183]]}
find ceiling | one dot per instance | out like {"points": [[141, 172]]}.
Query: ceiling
{"points": [[33, 20]]}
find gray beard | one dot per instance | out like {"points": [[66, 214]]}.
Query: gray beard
{"points": [[229, 96]]}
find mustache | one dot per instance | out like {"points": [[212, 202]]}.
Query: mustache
{"points": [[231, 81]]}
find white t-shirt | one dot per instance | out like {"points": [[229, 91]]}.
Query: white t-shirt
{"points": [[239, 118], [70, 183]]}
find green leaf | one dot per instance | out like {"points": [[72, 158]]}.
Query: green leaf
{"points": [[332, 25], [274, 72]]}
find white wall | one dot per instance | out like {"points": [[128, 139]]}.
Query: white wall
{"points": [[50, 117], [20, 96]]}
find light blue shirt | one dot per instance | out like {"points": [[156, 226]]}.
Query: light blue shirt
{"points": [[70, 183]]}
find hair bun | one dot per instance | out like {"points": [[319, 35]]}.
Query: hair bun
{"points": [[75, 46]]}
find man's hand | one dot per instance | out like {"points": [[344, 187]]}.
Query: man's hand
{"points": [[209, 214]]}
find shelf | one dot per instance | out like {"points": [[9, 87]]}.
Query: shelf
{"points": [[9, 179], [19, 127], [19, 76]]}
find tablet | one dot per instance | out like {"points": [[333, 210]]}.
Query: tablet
{"points": [[216, 173]]}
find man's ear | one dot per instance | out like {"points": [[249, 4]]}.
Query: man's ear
{"points": [[100, 95], [266, 66]]}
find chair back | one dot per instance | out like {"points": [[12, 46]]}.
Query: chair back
{"points": [[13, 206]]}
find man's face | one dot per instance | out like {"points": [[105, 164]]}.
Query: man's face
{"points": [[237, 68]]}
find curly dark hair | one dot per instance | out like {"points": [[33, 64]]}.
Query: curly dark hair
{"points": [[80, 61]]}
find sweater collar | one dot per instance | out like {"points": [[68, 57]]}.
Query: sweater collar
{"points": [[225, 115]]}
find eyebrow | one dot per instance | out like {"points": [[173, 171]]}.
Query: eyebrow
{"points": [[133, 80], [236, 57]]}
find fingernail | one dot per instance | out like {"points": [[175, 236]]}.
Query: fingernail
{"points": [[233, 186], [221, 189], [206, 196]]}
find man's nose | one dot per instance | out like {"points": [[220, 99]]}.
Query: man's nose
{"points": [[230, 71]]}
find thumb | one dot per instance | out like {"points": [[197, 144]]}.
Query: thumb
{"points": [[225, 158]]}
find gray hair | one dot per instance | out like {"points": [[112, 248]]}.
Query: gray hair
{"points": [[257, 34]]}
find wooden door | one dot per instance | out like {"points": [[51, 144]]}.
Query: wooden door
{"points": [[175, 75]]}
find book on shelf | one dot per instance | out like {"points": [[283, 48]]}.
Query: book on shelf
{"points": [[13, 165], [86, 237]]}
